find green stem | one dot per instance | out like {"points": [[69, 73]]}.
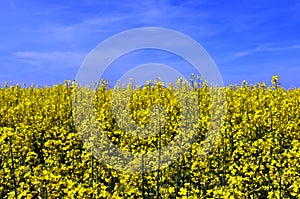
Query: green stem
{"points": [[13, 168]]}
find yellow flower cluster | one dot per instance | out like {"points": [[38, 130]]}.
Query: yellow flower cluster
{"points": [[256, 155]]}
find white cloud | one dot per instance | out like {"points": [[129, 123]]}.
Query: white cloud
{"points": [[132, 14], [81, 32], [51, 59], [265, 49]]}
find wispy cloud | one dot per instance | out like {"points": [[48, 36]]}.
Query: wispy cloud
{"points": [[265, 49], [132, 15], [51, 60]]}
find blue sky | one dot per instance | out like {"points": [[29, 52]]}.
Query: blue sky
{"points": [[45, 42]]}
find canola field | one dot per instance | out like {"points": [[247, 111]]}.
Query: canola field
{"points": [[255, 153]]}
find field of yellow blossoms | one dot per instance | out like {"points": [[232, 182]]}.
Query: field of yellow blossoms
{"points": [[256, 155]]}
